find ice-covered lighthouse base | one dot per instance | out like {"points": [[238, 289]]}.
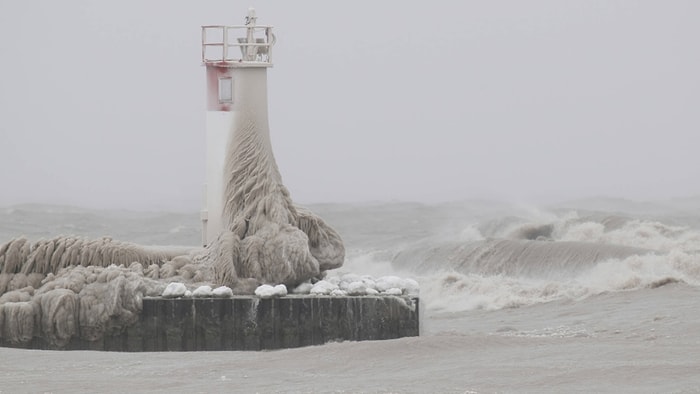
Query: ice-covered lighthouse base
{"points": [[253, 323]]}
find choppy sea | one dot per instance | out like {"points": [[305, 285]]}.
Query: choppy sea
{"points": [[595, 295]]}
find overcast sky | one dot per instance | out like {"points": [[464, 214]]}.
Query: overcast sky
{"points": [[102, 102]]}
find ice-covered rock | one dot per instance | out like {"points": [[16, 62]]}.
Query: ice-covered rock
{"points": [[371, 292], [222, 292], [202, 291], [188, 294], [174, 290]]}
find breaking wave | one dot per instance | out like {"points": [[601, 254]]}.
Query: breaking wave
{"points": [[513, 261], [452, 291]]}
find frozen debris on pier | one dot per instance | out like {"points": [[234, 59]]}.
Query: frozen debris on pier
{"points": [[356, 285], [268, 291]]}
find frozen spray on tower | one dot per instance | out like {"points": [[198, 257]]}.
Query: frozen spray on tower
{"points": [[236, 60], [252, 230]]}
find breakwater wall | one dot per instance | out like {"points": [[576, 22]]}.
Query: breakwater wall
{"points": [[252, 323]]}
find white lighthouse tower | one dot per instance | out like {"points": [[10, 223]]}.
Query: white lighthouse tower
{"points": [[236, 60]]}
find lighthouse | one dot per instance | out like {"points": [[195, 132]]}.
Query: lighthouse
{"points": [[236, 59]]}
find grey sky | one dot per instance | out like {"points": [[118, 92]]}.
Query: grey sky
{"points": [[102, 103]]}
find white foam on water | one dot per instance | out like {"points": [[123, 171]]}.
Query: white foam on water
{"points": [[454, 291]]}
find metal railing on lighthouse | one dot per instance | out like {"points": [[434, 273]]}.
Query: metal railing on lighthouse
{"points": [[255, 46]]}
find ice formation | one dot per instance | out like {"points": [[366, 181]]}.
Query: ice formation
{"points": [[73, 286], [265, 236]]}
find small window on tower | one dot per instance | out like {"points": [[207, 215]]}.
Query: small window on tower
{"points": [[225, 90]]}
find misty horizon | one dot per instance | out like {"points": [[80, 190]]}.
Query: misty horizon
{"points": [[102, 104]]}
